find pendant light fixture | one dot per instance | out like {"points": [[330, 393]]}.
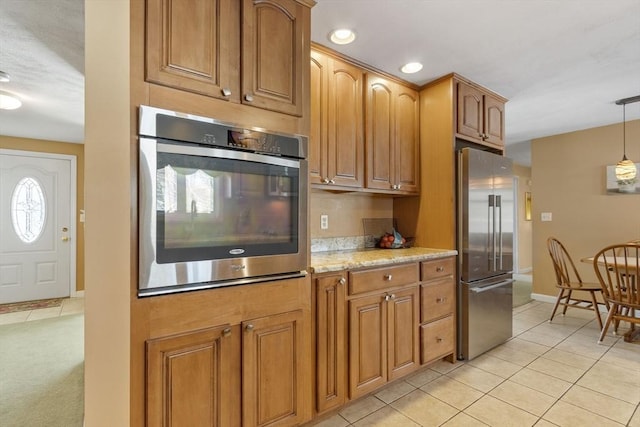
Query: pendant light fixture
{"points": [[626, 171]]}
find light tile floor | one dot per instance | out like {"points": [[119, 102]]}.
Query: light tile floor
{"points": [[548, 374], [68, 306]]}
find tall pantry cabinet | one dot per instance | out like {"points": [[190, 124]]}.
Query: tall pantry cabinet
{"points": [[239, 355]]}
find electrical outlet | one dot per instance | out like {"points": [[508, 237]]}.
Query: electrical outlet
{"points": [[324, 222]]}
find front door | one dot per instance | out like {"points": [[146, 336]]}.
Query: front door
{"points": [[36, 225]]}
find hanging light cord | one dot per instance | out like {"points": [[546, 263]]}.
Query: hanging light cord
{"points": [[624, 132]]}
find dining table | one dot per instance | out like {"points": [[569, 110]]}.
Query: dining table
{"points": [[628, 265]]}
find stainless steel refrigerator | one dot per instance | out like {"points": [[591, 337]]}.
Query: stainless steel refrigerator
{"points": [[485, 248]]}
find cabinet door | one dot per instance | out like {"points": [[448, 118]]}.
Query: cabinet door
{"points": [[274, 54], [194, 46], [318, 150], [470, 113], [403, 338], [493, 120], [380, 133], [407, 156], [272, 361], [367, 344], [330, 342], [345, 126], [392, 136], [193, 379]]}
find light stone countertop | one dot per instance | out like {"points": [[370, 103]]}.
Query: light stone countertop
{"points": [[325, 262]]}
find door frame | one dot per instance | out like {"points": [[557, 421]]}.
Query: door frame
{"points": [[72, 208], [516, 225]]}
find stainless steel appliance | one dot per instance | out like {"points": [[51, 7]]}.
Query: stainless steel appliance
{"points": [[485, 247], [219, 205]]}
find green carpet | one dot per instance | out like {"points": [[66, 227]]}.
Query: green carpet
{"points": [[42, 373]]}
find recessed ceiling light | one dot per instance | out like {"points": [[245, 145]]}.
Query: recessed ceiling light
{"points": [[411, 67], [8, 101], [342, 36], [4, 77]]}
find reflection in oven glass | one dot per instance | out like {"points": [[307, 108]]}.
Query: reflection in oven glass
{"points": [[205, 208]]}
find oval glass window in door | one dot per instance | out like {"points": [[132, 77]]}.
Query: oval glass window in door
{"points": [[28, 209]]}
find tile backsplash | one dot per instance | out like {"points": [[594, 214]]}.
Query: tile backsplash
{"points": [[345, 212]]}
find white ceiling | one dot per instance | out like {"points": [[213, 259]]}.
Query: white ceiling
{"points": [[561, 63]]}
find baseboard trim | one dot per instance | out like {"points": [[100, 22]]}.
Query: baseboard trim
{"points": [[543, 298], [524, 270], [78, 294]]}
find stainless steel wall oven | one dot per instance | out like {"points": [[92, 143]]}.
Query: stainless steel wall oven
{"points": [[219, 204]]}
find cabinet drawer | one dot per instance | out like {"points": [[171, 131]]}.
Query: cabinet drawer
{"points": [[437, 339], [437, 268], [437, 299], [382, 278]]}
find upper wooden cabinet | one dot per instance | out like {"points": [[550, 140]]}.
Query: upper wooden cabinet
{"points": [[195, 46], [392, 136], [336, 142], [273, 51], [480, 116], [344, 93]]}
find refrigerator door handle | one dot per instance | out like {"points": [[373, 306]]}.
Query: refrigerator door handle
{"points": [[481, 289], [500, 249], [491, 235]]}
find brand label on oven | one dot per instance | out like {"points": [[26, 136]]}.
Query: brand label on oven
{"points": [[236, 251]]}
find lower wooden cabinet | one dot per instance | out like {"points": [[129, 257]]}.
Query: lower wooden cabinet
{"points": [[197, 378], [403, 347], [367, 344], [330, 342], [437, 308], [193, 380], [271, 348], [383, 339], [367, 331], [437, 339]]}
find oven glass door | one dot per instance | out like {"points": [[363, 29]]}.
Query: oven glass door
{"points": [[216, 204]]}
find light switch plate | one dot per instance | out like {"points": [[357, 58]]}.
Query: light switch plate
{"points": [[545, 216]]}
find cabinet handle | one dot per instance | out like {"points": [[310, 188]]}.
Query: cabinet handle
{"points": [[438, 339], [226, 91], [342, 281], [248, 98], [388, 277], [440, 269], [393, 296], [439, 300], [326, 180], [394, 187], [226, 332], [331, 181], [249, 327]]}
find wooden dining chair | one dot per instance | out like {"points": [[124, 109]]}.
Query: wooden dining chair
{"points": [[572, 290], [618, 270]]}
